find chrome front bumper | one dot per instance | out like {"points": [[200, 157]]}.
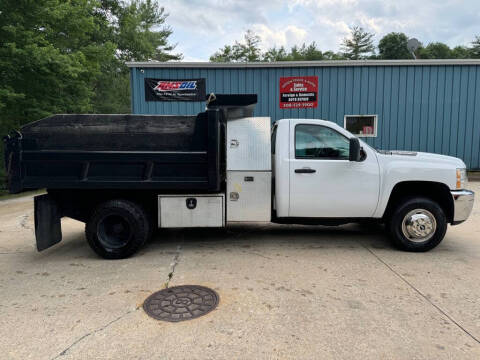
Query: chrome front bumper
{"points": [[462, 205]]}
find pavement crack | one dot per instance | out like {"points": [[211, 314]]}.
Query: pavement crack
{"points": [[174, 263], [439, 309], [66, 350]]}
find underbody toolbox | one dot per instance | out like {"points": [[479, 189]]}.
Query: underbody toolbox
{"points": [[204, 210]]}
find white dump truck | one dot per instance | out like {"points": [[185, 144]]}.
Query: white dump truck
{"points": [[123, 175]]}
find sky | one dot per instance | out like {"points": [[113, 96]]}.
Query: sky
{"points": [[201, 27]]}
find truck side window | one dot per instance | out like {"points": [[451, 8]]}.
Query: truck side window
{"points": [[320, 142]]}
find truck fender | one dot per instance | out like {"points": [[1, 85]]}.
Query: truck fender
{"points": [[435, 191]]}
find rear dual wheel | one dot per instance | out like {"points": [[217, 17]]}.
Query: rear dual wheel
{"points": [[117, 229]]}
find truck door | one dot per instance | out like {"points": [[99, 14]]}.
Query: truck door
{"points": [[323, 182]]}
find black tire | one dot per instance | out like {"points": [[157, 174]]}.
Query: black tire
{"points": [[117, 229], [398, 229]]}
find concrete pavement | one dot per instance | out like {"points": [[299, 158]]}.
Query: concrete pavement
{"points": [[285, 292]]}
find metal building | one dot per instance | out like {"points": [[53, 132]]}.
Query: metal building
{"points": [[421, 105]]}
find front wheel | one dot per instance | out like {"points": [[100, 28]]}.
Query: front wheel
{"points": [[417, 224], [117, 229]]}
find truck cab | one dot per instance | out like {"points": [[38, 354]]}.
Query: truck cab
{"points": [[324, 174]]}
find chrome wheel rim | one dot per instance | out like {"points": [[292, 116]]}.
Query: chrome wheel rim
{"points": [[419, 225]]}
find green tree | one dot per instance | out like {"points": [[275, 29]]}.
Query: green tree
{"points": [[394, 46], [68, 56], [311, 52], [302, 53], [358, 45], [249, 50], [475, 49], [45, 58], [435, 50], [330, 55], [139, 33], [461, 52], [246, 51], [306, 53], [276, 54]]}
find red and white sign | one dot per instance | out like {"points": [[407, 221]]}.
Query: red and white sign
{"points": [[298, 92]]}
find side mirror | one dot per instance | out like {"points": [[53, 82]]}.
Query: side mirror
{"points": [[354, 150]]}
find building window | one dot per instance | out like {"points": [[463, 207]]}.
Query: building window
{"points": [[361, 125]]}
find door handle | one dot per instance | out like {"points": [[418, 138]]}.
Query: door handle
{"points": [[305, 171]]}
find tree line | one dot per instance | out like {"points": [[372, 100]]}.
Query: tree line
{"points": [[358, 45]]}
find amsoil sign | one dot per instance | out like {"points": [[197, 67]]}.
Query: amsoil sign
{"points": [[175, 90], [298, 92]]}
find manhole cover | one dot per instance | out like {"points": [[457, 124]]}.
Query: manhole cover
{"points": [[181, 303]]}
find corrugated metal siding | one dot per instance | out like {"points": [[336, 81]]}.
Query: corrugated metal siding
{"points": [[432, 108]]}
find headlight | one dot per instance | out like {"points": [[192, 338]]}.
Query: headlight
{"points": [[461, 178]]}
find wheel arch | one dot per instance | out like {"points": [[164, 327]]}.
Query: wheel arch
{"points": [[435, 191]]}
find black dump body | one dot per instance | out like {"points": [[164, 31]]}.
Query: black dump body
{"points": [[181, 153]]}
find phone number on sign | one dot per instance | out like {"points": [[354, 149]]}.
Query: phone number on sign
{"points": [[298, 105]]}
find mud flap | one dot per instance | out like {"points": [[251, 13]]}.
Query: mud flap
{"points": [[48, 228]]}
